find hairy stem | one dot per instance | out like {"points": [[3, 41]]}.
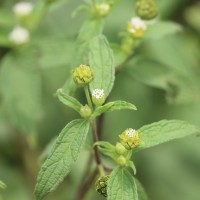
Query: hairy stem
{"points": [[87, 94]]}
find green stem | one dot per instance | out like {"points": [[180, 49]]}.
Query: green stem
{"points": [[96, 150], [87, 94]]}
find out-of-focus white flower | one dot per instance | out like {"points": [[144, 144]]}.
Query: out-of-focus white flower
{"points": [[19, 35], [137, 27], [23, 9], [103, 9]]}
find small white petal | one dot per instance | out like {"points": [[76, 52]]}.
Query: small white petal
{"points": [[19, 35], [23, 8], [130, 132], [98, 93]]}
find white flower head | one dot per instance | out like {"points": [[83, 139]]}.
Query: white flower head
{"points": [[19, 35], [104, 7], [137, 23], [23, 9], [98, 93], [131, 133]]}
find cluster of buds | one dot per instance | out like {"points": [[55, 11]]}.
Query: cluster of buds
{"points": [[82, 75], [147, 9], [101, 185], [130, 138], [137, 27]]}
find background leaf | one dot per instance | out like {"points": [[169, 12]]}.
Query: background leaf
{"points": [[164, 131], [101, 61], [121, 185], [161, 29], [2, 185], [64, 153], [21, 90]]}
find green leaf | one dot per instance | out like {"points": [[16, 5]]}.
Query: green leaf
{"points": [[112, 106], [141, 191], [161, 29], [164, 131], [89, 30], [101, 61], [69, 100], [132, 166], [2, 185], [64, 153], [107, 149], [122, 186]]}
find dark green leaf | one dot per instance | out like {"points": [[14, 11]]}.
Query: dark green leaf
{"points": [[122, 186], [102, 63], [64, 153]]}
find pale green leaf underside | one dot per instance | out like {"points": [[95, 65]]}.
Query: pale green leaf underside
{"points": [[64, 153], [2, 185], [112, 106], [122, 186], [68, 100], [164, 131], [101, 61]]}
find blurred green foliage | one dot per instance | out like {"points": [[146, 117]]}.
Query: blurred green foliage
{"points": [[162, 80]]}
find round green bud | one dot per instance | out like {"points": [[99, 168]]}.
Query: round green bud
{"points": [[82, 75], [130, 138], [101, 185], [121, 160], [98, 97], [147, 9], [120, 149], [85, 111]]}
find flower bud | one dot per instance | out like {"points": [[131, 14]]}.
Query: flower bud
{"points": [[137, 27], [130, 138], [82, 75], [121, 160], [101, 185], [120, 149], [19, 35], [85, 111], [98, 97], [102, 9], [147, 9], [23, 9]]}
